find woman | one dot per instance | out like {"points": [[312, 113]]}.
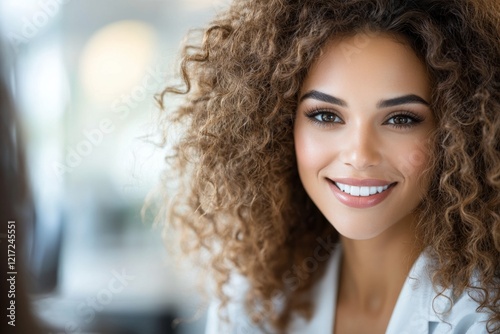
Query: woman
{"points": [[16, 205], [340, 163]]}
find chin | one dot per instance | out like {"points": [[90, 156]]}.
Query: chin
{"points": [[358, 232]]}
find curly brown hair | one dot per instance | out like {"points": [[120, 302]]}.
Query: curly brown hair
{"points": [[237, 192]]}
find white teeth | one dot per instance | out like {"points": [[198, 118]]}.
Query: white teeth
{"points": [[355, 191], [364, 191], [360, 191]]}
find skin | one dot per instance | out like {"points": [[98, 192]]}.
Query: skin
{"points": [[377, 127]]}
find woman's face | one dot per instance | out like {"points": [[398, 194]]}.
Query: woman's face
{"points": [[362, 133]]}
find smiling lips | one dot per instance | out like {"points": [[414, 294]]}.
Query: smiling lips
{"points": [[360, 193]]}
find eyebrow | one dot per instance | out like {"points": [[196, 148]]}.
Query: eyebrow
{"points": [[405, 99], [316, 95]]}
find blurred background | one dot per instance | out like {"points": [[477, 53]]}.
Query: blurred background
{"points": [[83, 75]]}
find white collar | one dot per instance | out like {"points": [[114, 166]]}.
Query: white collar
{"points": [[419, 308]]}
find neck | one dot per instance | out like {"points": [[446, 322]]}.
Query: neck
{"points": [[374, 271]]}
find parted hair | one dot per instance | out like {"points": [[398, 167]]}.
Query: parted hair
{"points": [[231, 184]]}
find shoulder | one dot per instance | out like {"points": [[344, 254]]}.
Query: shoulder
{"points": [[237, 321], [428, 309], [232, 319], [459, 315]]}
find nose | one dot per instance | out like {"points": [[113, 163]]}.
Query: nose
{"points": [[361, 149]]}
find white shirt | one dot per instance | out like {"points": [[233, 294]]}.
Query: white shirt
{"points": [[418, 310]]}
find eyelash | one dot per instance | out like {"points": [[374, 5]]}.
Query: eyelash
{"points": [[414, 118]]}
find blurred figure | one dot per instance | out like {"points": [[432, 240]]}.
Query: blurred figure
{"points": [[15, 205]]}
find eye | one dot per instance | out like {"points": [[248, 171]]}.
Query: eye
{"points": [[404, 120], [323, 117], [327, 118], [400, 120]]}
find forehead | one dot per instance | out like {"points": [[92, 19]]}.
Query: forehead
{"points": [[377, 62]]}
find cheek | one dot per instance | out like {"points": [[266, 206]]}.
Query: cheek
{"points": [[412, 158], [310, 150]]}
